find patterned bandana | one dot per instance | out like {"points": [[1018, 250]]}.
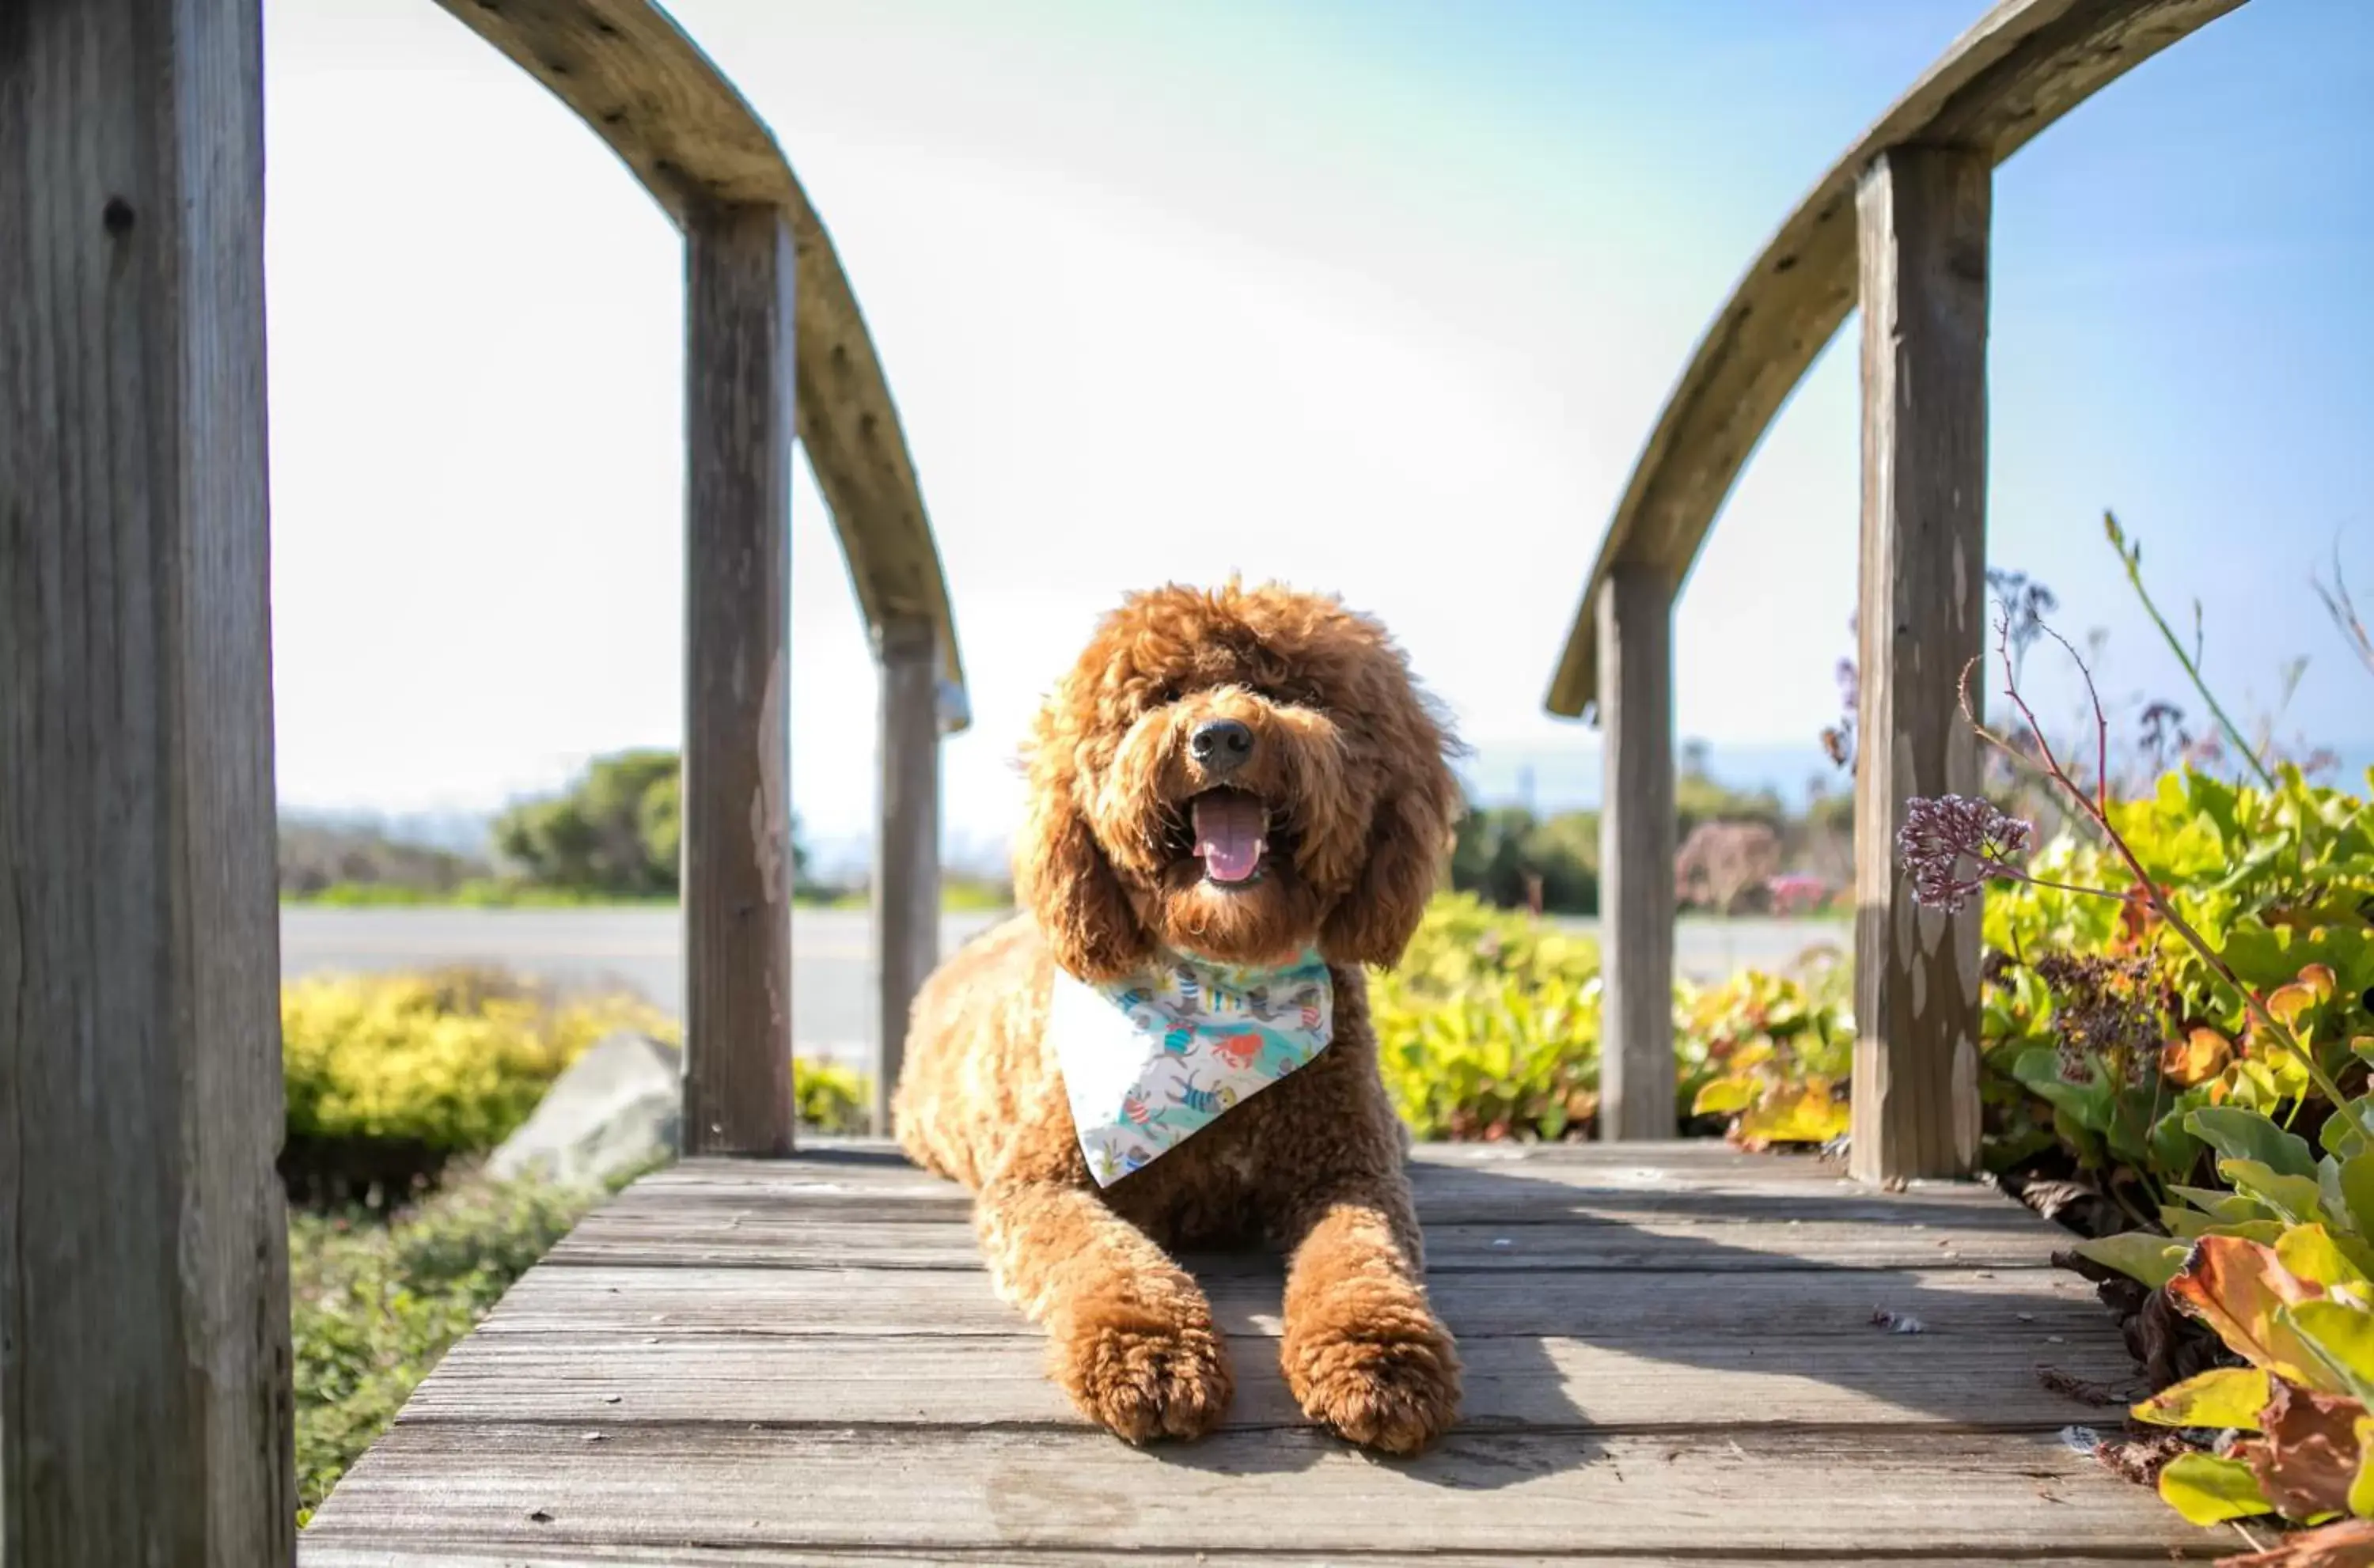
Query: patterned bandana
{"points": [[1154, 1058]]}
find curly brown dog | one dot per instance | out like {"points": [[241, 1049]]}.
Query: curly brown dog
{"points": [[1242, 776]]}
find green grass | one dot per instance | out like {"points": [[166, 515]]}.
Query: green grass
{"points": [[484, 893], [373, 1306], [956, 898]]}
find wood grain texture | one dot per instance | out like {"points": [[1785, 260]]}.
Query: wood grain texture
{"points": [[714, 1412], [640, 84], [905, 845], [2019, 69], [416, 1554], [1870, 1378], [1636, 856], [1923, 216], [145, 1403], [737, 811], [1687, 1492], [678, 1307]]}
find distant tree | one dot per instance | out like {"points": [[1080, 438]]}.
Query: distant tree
{"points": [[1727, 867], [618, 829], [1507, 856], [1700, 797]]}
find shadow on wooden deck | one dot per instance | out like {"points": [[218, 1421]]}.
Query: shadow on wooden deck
{"points": [[1671, 1353]]}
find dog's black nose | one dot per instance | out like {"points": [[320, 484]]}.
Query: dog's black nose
{"points": [[1221, 745]]}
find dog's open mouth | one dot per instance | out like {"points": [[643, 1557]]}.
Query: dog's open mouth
{"points": [[1231, 831]]}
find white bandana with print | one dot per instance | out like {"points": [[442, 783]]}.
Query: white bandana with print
{"points": [[1154, 1058]]}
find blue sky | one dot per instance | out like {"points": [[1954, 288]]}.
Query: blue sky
{"points": [[1376, 296]]}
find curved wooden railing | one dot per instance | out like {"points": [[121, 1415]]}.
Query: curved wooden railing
{"points": [[1898, 224], [641, 85], [144, 1307], [644, 88]]}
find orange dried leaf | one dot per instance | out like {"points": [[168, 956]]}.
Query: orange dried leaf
{"points": [[2318, 979], [2308, 1456], [2289, 1003], [2349, 1544], [2234, 1285], [2199, 1057]]}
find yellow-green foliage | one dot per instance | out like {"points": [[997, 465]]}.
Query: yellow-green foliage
{"points": [[2280, 882], [1490, 1026], [454, 1059], [1774, 1052], [832, 1098], [1489, 1029]]}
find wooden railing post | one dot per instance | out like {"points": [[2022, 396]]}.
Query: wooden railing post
{"points": [[145, 1401], [1636, 854], [1922, 218], [906, 844], [738, 815]]}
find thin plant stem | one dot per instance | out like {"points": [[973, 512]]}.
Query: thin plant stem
{"points": [[2132, 558], [2275, 1029], [2344, 614]]}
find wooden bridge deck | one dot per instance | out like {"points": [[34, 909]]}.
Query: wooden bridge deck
{"points": [[1671, 1353]]}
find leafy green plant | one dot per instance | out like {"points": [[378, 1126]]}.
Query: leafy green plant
{"points": [[1489, 1029], [830, 1097], [2299, 1435], [1773, 1052], [2179, 992], [453, 1059]]}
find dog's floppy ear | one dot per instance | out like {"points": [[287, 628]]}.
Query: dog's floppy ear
{"points": [[1061, 876], [1408, 836]]}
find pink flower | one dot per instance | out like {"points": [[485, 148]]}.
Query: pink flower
{"points": [[1941, 834]]}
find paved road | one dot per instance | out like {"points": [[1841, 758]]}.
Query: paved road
{"points": [[832, 960]]}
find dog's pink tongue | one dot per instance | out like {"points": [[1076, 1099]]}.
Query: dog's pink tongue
{"points": [[1229, 836]]}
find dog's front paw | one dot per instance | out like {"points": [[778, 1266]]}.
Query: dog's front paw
{"points": [[1142, 1378], [1391, 1384]]}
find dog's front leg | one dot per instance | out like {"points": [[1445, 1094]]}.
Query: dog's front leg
{"points": [[1129, 1333], [1363, 1351]]}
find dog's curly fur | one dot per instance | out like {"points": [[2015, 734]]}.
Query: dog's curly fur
{"points": [[1352, 762]]}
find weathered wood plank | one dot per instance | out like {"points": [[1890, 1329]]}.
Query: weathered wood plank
{"points": [[906, 844], [415, 1553], [671, 1307], [1693, 1159], [1923, 215], [1683, 1492], [737, 814], [1636, 856], [1780, 1377], [1444, 1196], [144, 1293], [758, 1238]]}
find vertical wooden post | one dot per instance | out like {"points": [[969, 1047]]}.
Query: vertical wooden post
{"points": [[1636, 854], [737, 814], [145, 1404], [906, 844], [1922, 216]]}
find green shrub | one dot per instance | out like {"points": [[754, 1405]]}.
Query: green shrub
{"points": [[1773, 1052], [2105, 1029], [1489, 1029], [830, 1097], [453, 1061]]}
